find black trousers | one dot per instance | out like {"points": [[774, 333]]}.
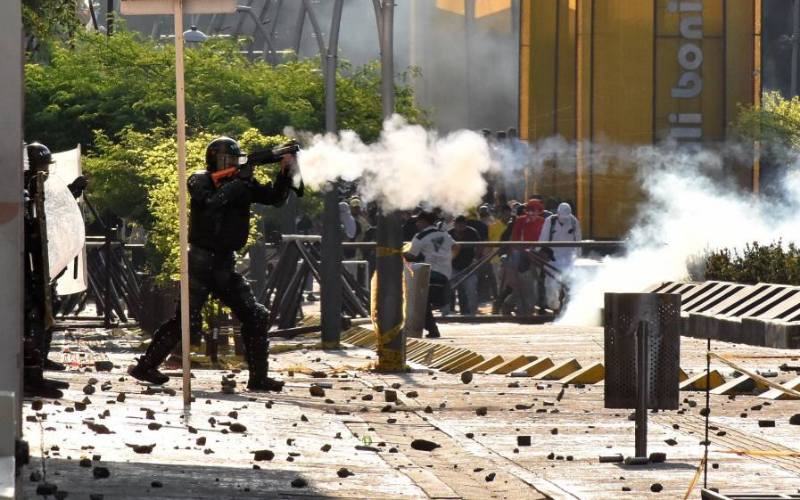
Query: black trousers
{"points": [[438, 294], [214, 274]]}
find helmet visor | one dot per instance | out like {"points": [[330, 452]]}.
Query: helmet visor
{"points": [[229, 160]]}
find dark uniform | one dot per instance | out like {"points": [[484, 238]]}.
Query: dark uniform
{"points": [[218, 225], [39, 293]]}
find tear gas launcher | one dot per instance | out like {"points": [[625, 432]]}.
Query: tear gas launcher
{"points": [[272, 155]]}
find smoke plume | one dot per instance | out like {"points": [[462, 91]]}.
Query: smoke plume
{"points": [[688, 211], [406, 167]]}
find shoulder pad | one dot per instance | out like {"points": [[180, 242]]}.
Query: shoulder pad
{"points": [[199, 181]]}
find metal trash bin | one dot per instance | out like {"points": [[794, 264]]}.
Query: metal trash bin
{"points": [[659, 314], [416, 276]]}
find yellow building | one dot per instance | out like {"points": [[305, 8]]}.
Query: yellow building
{"points": [[632, 72]]}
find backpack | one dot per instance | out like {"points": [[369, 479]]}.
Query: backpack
{"points": [[553, 219]]}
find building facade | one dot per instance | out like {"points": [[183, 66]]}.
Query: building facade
{"points": [[632, 73]]}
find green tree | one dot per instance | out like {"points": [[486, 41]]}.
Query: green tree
{"points": [[127, 81], [775, 122], [48, 21], [116, 97]]}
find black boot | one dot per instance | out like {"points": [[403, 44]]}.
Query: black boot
{"points": [[49, 364], [164, 340], [35, 385], [256, 351]]}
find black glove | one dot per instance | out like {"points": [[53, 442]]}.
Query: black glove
{"points": [[78, 185]]}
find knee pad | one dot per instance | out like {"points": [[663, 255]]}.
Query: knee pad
{"points": [[257, 320]]}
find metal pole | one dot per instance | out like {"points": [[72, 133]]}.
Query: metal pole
{"points": [[331, 272], [469, 14], [274, 58], [389, 265], [795, 44], [708, 408], [183, 224], [387, 59], [109, 17], [642, 388], [317, 34], [298, 29], [11, 216], [107, 311]]}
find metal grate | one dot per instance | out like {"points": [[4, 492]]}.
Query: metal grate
{"points": [[624, 314]]}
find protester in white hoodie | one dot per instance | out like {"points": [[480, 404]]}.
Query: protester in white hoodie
{"points": [[562, 226]]}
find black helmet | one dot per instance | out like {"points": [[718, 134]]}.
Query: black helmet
{"points": [[39, 157], [222, 153]]}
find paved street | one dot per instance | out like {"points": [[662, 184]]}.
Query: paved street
{"points": [[152, 448]]}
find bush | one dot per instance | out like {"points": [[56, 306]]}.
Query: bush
{"points": [[136, 178], [116, 97], [774, 263], [127, 81]]}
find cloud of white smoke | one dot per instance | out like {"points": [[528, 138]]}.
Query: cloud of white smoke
{"points": [[406, 167], [686, 213]]}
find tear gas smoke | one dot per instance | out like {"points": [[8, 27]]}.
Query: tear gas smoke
{"points": [[687, 211], [691, 204], [406, 167]]}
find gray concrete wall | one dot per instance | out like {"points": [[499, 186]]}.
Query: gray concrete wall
{"points": [[11, 200]]}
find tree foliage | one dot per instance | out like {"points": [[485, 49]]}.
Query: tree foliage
{"points": [[773, 263], [127, 81], [775, 122], [45, 21], [116, 97], [136, 178]]}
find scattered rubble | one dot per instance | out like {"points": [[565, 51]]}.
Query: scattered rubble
{"points": [[424, 445]]}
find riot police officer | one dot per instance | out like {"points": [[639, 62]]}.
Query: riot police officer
{"points": [[218, 226], [39, 293]]}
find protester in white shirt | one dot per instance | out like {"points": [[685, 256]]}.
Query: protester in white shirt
{"points": [[435, 247]]}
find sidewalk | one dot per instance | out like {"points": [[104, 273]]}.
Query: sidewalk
{"points": [[481, 430]]}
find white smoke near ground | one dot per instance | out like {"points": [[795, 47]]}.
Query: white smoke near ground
{"points": [[691, 203], [406, 167], [687, 211]]}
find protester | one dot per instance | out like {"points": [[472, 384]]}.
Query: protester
{"points": [[485, 215], [467, 291], [487, 285], [410, 225], [527, 228], [445, 222], [496, 230], [435, 247], [362, 226], [349, 229], [563, 226]]}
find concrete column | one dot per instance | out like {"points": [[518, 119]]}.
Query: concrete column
{"points": [[11, 239]]}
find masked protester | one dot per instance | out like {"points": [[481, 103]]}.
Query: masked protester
{"points": [[527, 228], [218, 226], [562, 226]]}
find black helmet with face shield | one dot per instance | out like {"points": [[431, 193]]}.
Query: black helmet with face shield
{"points": [[222, 153], [39, 157]]}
